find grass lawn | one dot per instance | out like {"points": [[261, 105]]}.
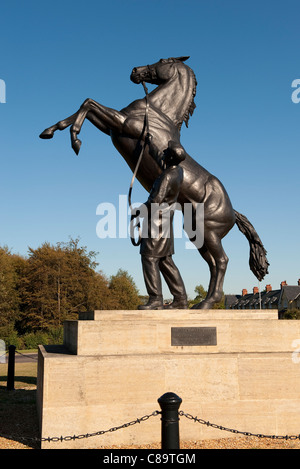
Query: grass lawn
{"points": [[25, 375]]}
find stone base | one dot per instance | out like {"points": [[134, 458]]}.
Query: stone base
{"points": [[237, 369]]}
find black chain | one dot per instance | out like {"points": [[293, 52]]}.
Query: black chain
{"points": [[143, 419], [86, 435], [220, 427], [19, 353], [27, 356]]}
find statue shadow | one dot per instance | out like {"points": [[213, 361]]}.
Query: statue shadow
{"points": [[20, 379], [19, 420]]}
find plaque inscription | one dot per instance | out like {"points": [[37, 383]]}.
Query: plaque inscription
{"points": [[190, 336]]}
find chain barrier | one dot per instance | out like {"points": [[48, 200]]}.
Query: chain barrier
{"points": [[143, 419], [146, 417], [220, 427], [27, 356], [19, 353], [85, 435]]}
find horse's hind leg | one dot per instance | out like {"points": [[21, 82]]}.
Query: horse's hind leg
{"points": [[217, 261], [212, 268]]}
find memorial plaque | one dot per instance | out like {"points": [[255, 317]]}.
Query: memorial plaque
{"points": [[191, 336]]}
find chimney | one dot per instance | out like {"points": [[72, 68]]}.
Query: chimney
{"points": [[244, 292], [283, 284], [268, 288], [255, 290]]}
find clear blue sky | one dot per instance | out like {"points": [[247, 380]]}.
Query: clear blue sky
{"points": [[245, 129]]}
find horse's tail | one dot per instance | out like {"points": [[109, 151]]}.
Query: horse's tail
{"points": [[258, 260]]}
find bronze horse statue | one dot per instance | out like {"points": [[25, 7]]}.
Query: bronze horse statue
{"points": [[169, 105]]}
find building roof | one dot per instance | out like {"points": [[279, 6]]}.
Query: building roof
{"points": [[230, 300], [268, 299], [291, 291]]}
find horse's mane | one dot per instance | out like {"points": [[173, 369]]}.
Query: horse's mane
{"points": [[191, 105]]}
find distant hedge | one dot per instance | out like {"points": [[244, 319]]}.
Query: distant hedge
{"points": [[31, 340]]}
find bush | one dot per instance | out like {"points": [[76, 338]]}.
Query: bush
{"points": [[293, 313], [55, 335], [10, 336], [32, 340], [14, 339]]}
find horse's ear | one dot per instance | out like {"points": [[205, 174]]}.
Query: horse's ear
{"points": [[182, 59]]}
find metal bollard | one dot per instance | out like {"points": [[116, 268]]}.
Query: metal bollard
{"points": [[11, 368], [169, 404]]}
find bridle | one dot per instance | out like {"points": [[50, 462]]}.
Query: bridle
{"points": [[133, 216]]}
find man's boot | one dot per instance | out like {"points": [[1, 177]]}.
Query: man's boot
{"points": [[153, 303], [178, 303]]}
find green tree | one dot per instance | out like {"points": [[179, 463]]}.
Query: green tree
{"points": [[60, 281], [11, 266], [124, 291], [99, 295], [201, 295], [292, 313]]}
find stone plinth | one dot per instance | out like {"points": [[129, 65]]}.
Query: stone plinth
{"points": [[150, 332], [238, 369]]}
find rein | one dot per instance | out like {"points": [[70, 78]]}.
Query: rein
{"points": [[138, 224]]}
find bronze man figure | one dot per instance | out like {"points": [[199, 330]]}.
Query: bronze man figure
{"points": [[157, 244]]}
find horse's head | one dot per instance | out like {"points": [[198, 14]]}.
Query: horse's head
{"points": [[156, 73]]}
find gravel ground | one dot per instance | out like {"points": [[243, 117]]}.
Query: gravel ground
{"points": [[21, 421], [224, 443], [227, 443], [18, 419]]}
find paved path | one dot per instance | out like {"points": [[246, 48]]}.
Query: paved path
{"points": [[19, 357], [25, 357]]}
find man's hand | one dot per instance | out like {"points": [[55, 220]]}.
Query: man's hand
{"points": [[148, 138], [136, 214]]}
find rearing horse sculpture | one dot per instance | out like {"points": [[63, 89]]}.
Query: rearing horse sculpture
{"points": [[169, 105]]}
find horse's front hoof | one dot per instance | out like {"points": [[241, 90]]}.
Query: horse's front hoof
{"points": [[76, 146], [47, 134]]}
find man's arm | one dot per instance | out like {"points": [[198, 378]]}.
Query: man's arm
{"points": [[154, 151]]}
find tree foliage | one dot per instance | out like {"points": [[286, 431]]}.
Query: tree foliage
{"points": [[124, 290], [11, 267], [292, 313], [53, 284], [201, 294]]}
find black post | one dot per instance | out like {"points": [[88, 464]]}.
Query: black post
{"points": [[11, 368], [169, 404]]}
